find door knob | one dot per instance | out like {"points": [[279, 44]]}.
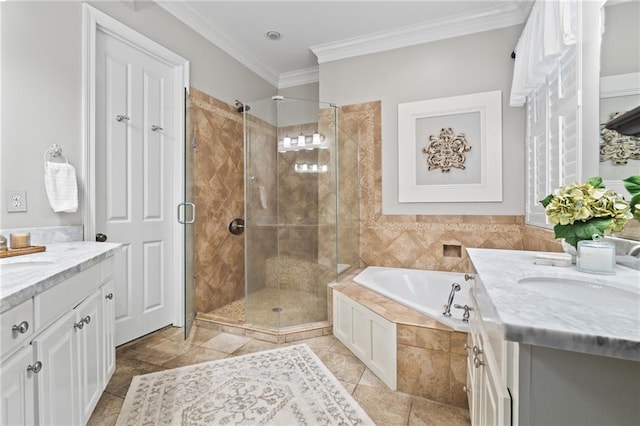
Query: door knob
{"points": [[101, 238]]}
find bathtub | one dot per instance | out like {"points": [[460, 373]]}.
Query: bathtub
{"points": [[423, 291]]}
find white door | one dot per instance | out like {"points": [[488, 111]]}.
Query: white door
{"points": [[134, 181]]}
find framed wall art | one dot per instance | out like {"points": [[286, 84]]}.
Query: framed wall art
{"points": [[450, 149]]}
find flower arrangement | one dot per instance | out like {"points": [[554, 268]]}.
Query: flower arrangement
{"points": [[579, 211]]}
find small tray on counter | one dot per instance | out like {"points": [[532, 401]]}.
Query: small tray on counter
{"points": [[20, 251]]}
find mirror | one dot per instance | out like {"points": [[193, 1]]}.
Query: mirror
{"points": [[619, 90]]}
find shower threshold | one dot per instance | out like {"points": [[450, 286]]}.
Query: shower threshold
{"points": [[267, 334]]}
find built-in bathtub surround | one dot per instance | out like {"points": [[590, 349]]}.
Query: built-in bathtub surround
{"points": [[431, 358], [218, 188], [416, 241], [540, 239]]}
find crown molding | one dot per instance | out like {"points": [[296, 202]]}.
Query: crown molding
{"points": [[184, 12], [503, 15], [299, 77]]}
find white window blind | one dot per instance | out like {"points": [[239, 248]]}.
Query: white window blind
{"points": [[553, 134]]}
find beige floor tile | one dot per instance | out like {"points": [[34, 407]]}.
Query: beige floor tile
{"points": [[195, 355], [321, 342], [347, 368], [255, 346], [197, 335], [107, 410], [385, 407], [126, 368], [226, 342], [350, 387], [370, 379], [339, 347], [160, 353], [429, 413]]}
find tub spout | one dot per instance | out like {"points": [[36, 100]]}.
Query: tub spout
{"points": [[447, 308]]}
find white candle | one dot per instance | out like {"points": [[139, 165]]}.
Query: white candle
{"points": [[20, 240]]}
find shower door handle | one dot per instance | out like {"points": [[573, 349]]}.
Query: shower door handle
{"points": [[193, 213]]}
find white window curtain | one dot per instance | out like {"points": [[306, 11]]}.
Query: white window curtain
{"points": [[550, 29]]}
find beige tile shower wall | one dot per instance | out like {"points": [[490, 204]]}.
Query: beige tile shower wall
{"points": [[348, 191], [415, 241], [218, 181], [297, 199]]}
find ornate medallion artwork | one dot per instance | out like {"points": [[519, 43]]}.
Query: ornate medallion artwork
{"points": [[446, 150], [616, 147], [287, 386]]}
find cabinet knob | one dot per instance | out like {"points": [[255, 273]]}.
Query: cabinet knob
{"points": [[35, 367], [79, 324], [21, 328], [87, 319], [109, 296], [476, 350]]}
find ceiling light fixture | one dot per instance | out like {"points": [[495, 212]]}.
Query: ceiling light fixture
{"points": [[273, 35]]}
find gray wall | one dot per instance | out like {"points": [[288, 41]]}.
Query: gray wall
{"points": [[463, 65], [41, 88]]}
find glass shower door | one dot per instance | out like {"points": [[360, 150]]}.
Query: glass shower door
{"points": [[188, 224], [290, 210]]}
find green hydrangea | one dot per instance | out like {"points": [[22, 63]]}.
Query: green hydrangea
{"points": [[578, 211]]}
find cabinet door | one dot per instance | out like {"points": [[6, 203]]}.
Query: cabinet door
{"points": [[90, 357], [58, 381], [108, 331], [17, 389]]}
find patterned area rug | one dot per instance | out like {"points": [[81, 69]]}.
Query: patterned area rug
{"points": [[286, 386]]}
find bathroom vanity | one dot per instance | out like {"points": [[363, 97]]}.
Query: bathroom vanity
{"points": [[552, 345], [57, 321]]}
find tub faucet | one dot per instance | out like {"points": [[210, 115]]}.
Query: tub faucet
{"points": [[447, 308]]}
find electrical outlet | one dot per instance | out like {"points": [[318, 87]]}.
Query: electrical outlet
{"points": [[16, 200]]}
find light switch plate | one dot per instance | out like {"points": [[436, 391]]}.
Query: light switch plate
{"points": [[16, 200]]}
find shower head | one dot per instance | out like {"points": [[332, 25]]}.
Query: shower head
{"points": [[241, 107]]}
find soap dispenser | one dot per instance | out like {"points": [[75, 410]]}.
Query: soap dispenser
{"points": [[596, 256]]}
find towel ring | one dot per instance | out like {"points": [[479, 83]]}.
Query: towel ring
{"points": [[54, 152]]}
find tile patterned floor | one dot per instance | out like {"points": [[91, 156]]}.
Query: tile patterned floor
{"points": [[166, 349]]}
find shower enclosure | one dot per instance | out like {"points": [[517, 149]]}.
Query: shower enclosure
{"points": [[294, 194]]}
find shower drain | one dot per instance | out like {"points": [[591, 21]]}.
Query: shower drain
{"points": [[276, 309]]}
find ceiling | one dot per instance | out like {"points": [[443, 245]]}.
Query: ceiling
{"points": [[314, 32]]}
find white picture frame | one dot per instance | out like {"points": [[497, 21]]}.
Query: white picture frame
{"points": [[479, 117]]}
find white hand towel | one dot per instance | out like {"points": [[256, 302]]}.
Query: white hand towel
{"points": [[62, 188]]}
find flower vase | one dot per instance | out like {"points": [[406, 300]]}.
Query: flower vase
{"points": [[569, 249]]}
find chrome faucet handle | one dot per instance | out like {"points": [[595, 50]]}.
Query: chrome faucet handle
{"points": [[467, 309], [468, 277]]}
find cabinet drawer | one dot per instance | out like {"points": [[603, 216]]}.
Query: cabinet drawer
{"points": [[57, 300], [20, 317]]}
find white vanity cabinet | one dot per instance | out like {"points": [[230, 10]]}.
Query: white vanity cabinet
{"points": [[489, 398], [17, 389], [513, 383], [58, 374]]}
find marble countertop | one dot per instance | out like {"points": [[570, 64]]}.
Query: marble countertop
{"points": [[22, 277], [568, 320]]}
